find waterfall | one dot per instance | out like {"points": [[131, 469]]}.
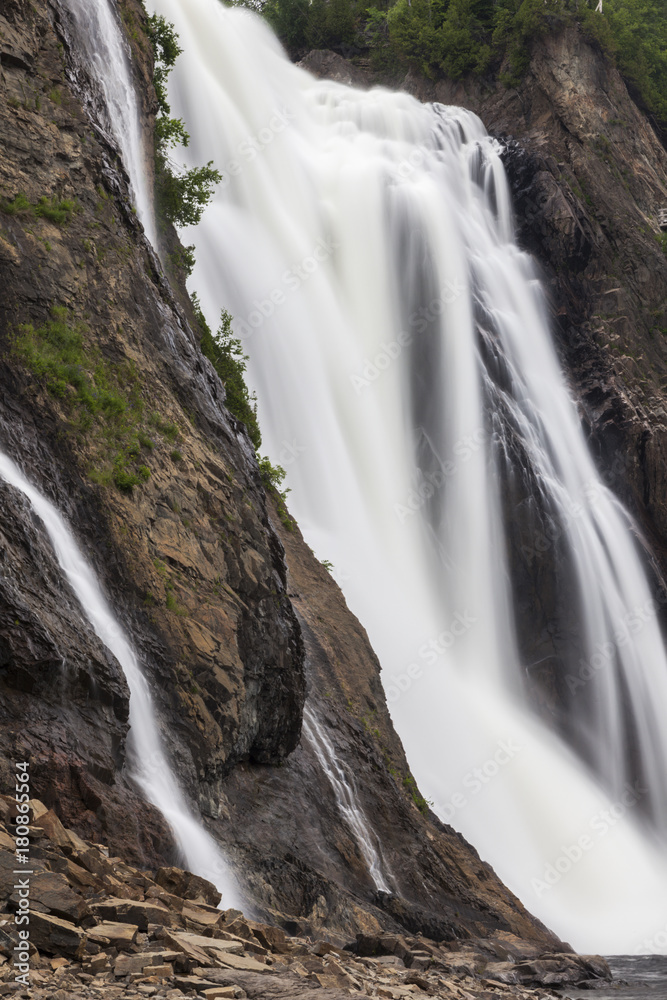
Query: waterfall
{"points": [[102, 50], [150, 768], [406, 380], [347, 797]]}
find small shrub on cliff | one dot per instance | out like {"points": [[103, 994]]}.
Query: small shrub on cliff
{"points": [[58, 210], [103, 400], [410, 786], [225, 352], [273, 477], [181, 195], [17, 206]]}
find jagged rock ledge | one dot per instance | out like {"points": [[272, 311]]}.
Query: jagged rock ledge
{"points": [[101, 928]]}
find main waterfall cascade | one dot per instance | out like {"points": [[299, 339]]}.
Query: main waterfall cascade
{"points": [[407, 383], [149, 766]]}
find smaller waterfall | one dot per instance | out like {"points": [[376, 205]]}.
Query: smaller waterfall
{"points": [[150, 768], [105, 54], [346, 798]]}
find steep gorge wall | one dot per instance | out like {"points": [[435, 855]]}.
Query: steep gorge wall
{"points": [[230, 622]]}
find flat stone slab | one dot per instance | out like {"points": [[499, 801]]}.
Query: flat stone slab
{"points": [[119, 935]]}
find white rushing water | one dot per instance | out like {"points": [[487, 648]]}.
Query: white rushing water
{"points": [[407, 382], [103, 49], [149, 766], [347, 798]]}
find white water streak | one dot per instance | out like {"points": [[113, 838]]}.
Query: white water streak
{"points": [[150, 768], [108, 57], [347, 797]]}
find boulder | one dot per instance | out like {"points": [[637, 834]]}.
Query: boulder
{"points": [[510, 948], [273, 938], [53, 892], [6, 841], [185, 939], [159, 971], [373, 945], [222, 992], [181, 944], [197, 918], [501, 972], [56, 936], [130, 911], [129, 964], [187, 886], [563, 970], [241, 962]]}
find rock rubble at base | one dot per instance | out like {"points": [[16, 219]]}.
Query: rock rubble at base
{"points": [[102, 929]]}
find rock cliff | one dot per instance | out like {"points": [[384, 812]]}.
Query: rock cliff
{"points": [[111, 409]]}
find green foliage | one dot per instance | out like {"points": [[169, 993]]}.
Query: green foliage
{"points": [[638, 31], [376, 37], [103, 401], [290, 21], [225, 352], [58, 211], [171, 602], [54, 209], [17, 206], [453, 38], [439, 37], [166, 50], [273, 477], [181, 195], [166, 428], [410, 785]]}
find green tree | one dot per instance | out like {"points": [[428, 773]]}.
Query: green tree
{"points": [[638, 29], [181, 195], [225, 352]]}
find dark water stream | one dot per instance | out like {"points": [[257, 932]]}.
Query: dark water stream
{"points": [[635, 977]]}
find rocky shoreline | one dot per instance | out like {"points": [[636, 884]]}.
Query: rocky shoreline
{"points": [[99, 927]]}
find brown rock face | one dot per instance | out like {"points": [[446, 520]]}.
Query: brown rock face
{"points": [[189, 559]]}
